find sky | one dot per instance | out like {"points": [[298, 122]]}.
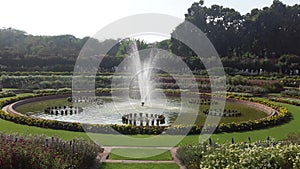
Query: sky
{"points": [[85, 18]]}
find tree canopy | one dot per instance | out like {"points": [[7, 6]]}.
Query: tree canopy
{"points": [[267, 39]]}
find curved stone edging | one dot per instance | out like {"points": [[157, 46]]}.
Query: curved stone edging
{"points": [[11, 107]]}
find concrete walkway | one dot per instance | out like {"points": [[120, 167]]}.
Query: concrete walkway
{"points": [[104, 156]]}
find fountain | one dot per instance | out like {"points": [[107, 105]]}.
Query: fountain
{"points": [[143, 71], [138, 97]]}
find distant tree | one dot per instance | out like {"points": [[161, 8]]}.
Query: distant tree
{"points": [[125, 44], [222, 26], [165, 44], [289, 63]]}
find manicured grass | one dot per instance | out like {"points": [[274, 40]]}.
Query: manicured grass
{"points": [[279, 132], [10, 127], [139, 154], [248, 113], [139, 166], [41, 105]]}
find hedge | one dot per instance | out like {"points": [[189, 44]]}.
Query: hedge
{"points": [[7, 94], [40, 152], [291, 101]]}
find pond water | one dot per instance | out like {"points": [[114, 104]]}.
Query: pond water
{"points": [[111, 112]]}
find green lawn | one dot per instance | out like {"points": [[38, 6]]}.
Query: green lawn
{"points": [[139, 166], [40, 106], [279, 132], [139, 154], [248, 113]]}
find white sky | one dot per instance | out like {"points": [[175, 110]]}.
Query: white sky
{"points": [[85, 18]]}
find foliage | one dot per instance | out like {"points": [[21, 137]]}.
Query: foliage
{"points": [[35, 152], [290, 81], [292, 93], [262, 154], [291, 101], [264, 33], [265, 39], [293, 138], [53, 91], [247, 89], [55, 82], [289, 63], [7, 94]]}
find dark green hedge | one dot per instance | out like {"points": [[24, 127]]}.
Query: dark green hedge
{"points": [[7, 94], [286, 100]]}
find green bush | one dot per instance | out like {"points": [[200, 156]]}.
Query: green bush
{"points": [[293, 93], [291, 101], [36, 152], [7, 94], [53, 91], [261, 154]]}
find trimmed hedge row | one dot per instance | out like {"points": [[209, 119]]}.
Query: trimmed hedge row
{"points": [[291, 101], [7, 94], [282, 117]]}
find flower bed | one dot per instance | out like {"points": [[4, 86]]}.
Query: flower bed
{"points": [[41, 152], [262, 154]]}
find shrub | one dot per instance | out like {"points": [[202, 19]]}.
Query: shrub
{"points": [[53, 91], [286, 100], [7, 94], [293, 138], [293, 93], [35, 152], [261, 154]]}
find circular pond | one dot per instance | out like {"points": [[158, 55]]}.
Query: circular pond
{"points": [[115, 111]]}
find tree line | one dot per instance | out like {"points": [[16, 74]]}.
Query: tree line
{"points": [[266, 39]]}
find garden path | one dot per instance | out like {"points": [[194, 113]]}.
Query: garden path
{"points": [[107, 149]]}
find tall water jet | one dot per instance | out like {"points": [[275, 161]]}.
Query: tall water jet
{"points": [[143, 71]]}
